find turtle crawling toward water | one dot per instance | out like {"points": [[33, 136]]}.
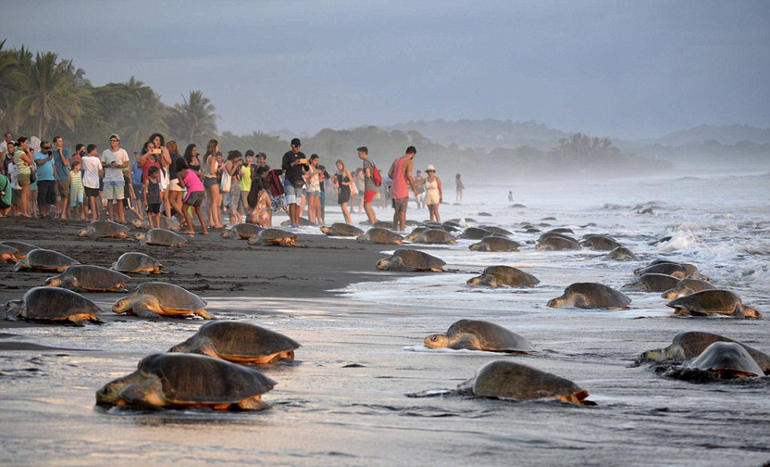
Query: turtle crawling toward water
{"points": [[340, 229], [153, 300], [411, 260], [435, 237], [104, 229], [721, 360], [134, 263], [495, 243], [53, 305], [87, 278], [240, 343], [381, 236], [712, 302], [161, 237], [479, 335], [509, 380], [22, 249], [8, 253], [45, 260], [275, 237], [652, 282], [501, 276], [687, 287], [621, 253], [186, 381], [591, 295], [244, 231]]}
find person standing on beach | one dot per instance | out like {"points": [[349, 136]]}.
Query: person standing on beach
{"points": [[401, 173], [370, 187], [343, 181], [419, 182], [61, 159], [46, 178], [4, 151], [294, 165], [92, 172], [434, 194], [275, 186], [460, 186], [313, 180], [114, 160], [23, 162]]}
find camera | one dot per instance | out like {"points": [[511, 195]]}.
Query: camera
{"points": [[50, 153]]}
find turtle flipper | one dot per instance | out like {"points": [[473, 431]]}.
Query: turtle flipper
{"points": [[253, 403], [13, 311], [143, 311], [144, 395], [204, 314]]}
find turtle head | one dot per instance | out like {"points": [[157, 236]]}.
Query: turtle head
{"points": [[384, 263], [82, 232], [744, 311], [139, 237], [13, 309], [475, 280], [556, 302], [109, 394], [136, 223], [672, 352], [326, 230], [437, 341], [54, 281], [226, 234], [638, 285], [475, 247], [670, 294], [122, 305], [541, 246]]}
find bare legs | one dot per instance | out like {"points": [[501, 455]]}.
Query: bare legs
{"points": [[346, 213]]}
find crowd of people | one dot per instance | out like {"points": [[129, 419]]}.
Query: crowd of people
{"points": [[44, 179]]}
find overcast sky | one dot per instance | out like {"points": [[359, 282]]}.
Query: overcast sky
{"points": [[624, 69]]}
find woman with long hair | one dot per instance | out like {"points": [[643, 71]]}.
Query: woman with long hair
{"points": [[193, 158], [313, 183], [343, 180], [22, 160], [434, 195], [174, 190], [164, 159], [210, 171], [232, 170]]}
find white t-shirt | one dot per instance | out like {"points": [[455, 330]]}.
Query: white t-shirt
{"points": [[12, 175], [3, 149], [91, 165], [112, 174]]}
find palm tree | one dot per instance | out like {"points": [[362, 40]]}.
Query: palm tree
{"points": [[142, 115], [49, 94], [194, 118]]}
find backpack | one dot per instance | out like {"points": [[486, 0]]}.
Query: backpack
{"points": [[376, 175]]}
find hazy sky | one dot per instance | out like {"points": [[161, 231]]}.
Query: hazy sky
{"points": [[625, 69]]}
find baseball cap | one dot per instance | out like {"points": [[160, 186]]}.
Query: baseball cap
{"points": [[115, 135], [296, 142], [430, 167]]}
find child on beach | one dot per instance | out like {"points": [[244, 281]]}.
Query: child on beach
{"points": [[76, 191], [259, 200], [189, 180], [152, 196], [92, 172]]}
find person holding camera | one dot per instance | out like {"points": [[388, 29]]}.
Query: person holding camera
{"points": [[294, 165], [114, 160], [231, 184], [61, 159], [46, 178]]}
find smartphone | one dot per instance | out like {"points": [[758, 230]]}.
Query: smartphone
{"points": [[155, 151]]}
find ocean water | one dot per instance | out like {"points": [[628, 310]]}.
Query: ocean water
{"points": [[346, 399]]}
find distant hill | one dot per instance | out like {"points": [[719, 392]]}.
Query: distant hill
{"points": [[725, 134], [486, 134]]}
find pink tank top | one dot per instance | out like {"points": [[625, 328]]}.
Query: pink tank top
{"points": [[400, 187], [192, 182]]}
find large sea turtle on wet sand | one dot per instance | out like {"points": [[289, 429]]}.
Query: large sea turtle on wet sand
{"points": [[87, 278], [712, 302], [168, 223], [599, 242], [22, 249], [500, 276], [556, 243], [687, 287], [591, 295], [153, 300], [688, 345], [411, 260], [479, 335], [187, 381], [495, 243], [303, 222], [8, 253], [475, 233], [381, 236], [341, 229], [161, 237], [53, 305], [435, 237], [244, 231], [104, 229], [416, 232], [45, 260], [721, 360], [275, 237], [240, 343], [496, 230], [680, 270], [621, 253], [134, 263], [652, 283], [509, 380]]}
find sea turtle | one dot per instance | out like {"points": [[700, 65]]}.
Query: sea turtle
{"points": [[688, 345], [557, 242], [8, 253], [154, 300], [239, 342], [52, 304], [496, 230], [686, 287], [590, 295], [484, 214], [532, 230], [499, 276], [712, 302], [560, 230], [380, 236], [168, 223], [456, 223], [652, 283], [435, 237], [449, 228], [45, 260], [87, 278], [134, 263], [479, 335], [599, 242], [388, 224], [680, 270], [303, 222], [549, 218], [104, 229], [720, 360], [340, 229], [621, 253], [495, 243], [411, 260], [161, 237], [509, 380], [175, 380], [408, 223], [475, 233], [22, 249], [415, 233], [273, 236], [242, 231], [517, 205]]}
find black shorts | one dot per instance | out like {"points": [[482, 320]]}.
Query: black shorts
{"points": [[153, 208], [92, 192], [46, 192]]}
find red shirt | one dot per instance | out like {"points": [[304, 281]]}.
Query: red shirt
{"points": [[146, 168]]}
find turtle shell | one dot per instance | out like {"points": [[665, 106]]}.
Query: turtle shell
{"points": [[435, 236], [45, 260], [341, 229], [597, 295], [133, 262], [496, 243], [416, 232], [232, 339], [558, 242], [509, 380], [303, 221], [653, 282], [687, 287], [621, 253], [170, 296], [599, 242], [490, 336], [380, 236], [726, 357], [22, 249], [53, 303], [105, 228], [707, 301], [496, 230], [475, 233], [275, 234], [511, 276], [672, 269], [196, 379], [164, 237], [94, 277], [417, 260], [246, 230]]}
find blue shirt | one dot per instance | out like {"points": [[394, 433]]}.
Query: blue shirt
{"points": [[44, 171], [61, 168]]}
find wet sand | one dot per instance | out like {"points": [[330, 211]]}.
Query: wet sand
{"points": [[343, 402]]}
